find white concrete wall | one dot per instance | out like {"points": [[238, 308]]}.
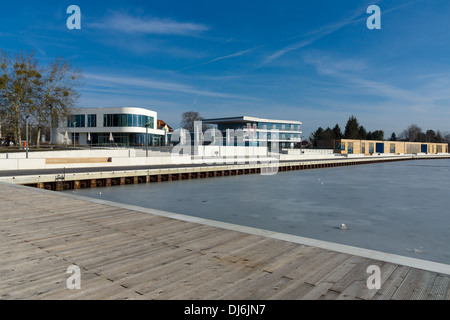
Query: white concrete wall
{"points": [[127, 157], [92, 153], [227, 151], [21, 164], [307, 151]]}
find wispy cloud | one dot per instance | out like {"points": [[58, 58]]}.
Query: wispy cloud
{"points": [[161, 85], [233, 55], [118, 21], [349, 71], [237, 54], [279, 53], [312, 36]]}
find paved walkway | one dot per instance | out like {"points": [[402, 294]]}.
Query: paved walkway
{"points": [[129, 254]]}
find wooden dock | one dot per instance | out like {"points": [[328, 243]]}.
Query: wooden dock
{"points": [[126, 254]]}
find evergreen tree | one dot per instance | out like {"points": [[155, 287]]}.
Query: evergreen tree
{"points": [[337, 132], [316, 136], [378, 135], [351, 128], [439, 138], [328, 134], [393, 137], [362, 133]]}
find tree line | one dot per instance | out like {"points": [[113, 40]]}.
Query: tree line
{"points": [[40, 93], [415, 134], [354, 130]]}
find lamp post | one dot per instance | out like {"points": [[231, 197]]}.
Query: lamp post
{"points": [[74, 126], [51, 123], [146, 140], [26, 133]]}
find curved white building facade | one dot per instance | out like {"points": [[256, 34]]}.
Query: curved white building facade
{"points": [[119, 126]]}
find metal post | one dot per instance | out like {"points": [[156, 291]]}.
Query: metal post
{"points": [[146, 140], [74, 126], [51, 124], [26, 138]]}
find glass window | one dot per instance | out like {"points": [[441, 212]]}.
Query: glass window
{"points": [[92, 120], [125, 120], [371, 147], [76, 121], [115, 120], [392, 148], [350, 147], [340, 146]]}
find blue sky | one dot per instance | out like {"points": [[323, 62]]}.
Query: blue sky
{"points": [[313, 61]]}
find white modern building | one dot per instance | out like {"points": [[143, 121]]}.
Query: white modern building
{"points": [[258, 131], [118, 126]]}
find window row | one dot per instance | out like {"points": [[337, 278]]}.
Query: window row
{"points": [[278, 126], [111, 120], [128, 120]]}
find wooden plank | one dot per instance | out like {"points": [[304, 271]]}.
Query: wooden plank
{"points": [[269, 289], [291, 257], [354, 269], [406, 289], [391, 285], [77, 160], [244, 289], [293, 291], [424, 286], [169, 266], [317, 291], [189, 282], [386, 270], [333, 264], [309, 264], [440, 288], [133, 265], [229, 277]]}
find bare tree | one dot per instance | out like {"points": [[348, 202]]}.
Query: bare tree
{"points": [[17, 86], [41, 94], [188, 119], [413, 134], [56, 94]]}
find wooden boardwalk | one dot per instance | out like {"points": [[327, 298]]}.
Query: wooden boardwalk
{"points": [[125, 254]]}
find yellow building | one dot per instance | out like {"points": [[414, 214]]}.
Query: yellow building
{"points": [[369, 147]]}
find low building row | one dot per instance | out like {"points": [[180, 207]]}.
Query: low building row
{"points": [[369, 147]]}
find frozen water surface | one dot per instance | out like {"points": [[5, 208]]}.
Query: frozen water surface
{"points": [[400, 207]]}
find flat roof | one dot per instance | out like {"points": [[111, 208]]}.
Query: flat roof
{"points": [[111, 109], [245, 119]]}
